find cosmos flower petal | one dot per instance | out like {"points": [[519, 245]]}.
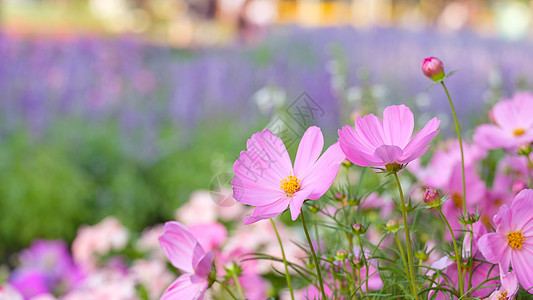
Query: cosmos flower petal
{"points": [[309, 150], [492, 246], [522, 262], [423, 137], [187, 286], [268, 211], [398, 125], [321, 174], [255, 193], [489, 136], [180, 246], [370, 131], [388, 154]]}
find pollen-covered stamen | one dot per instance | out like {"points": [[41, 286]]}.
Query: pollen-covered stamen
{"points": [[290, 185], [519, 131], [515, 239], [503, 296]]}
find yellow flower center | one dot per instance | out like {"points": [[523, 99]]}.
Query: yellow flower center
{"points": [[515, 239], [519, 131], [503, 296], [290, 185]]}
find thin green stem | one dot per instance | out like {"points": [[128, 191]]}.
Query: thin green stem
{"points": [[227, 289], [315, 259], [287, 276], [458, 129], [238, 284], [407, 239], [457, 253], [364, 259], [350, 282], [400, 247]]}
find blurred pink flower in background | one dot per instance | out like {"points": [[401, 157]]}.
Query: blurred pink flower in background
{"points": [[210, 235], [377, 144], [99, 239], [475, 193], [149, 242], [446, 158], [185, 253], [514, 124], [105, 283], [153, 275], [7, 292], [265, 177], [511, 244], [205, 207]]}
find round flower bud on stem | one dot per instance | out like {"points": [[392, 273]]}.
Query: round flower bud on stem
{"points": [[432, 197], [433, 68]]}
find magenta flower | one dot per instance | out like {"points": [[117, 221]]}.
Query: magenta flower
{"points": [[512, 243], [514, 124], [432, 67], [265, 177], [185, 253], [388, 144]]}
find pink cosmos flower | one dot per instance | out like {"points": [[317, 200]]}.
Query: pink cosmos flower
{"points": [[514, 125], [508, 289], [185, 253], [265, 177], [388, 143], [512, 243]]}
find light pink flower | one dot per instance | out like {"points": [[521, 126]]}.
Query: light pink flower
{"points": [[99, 239], [378, 144], [514, 124], [265, 177], [153, 275], [508, 289], [185, 253], [512, 243]]}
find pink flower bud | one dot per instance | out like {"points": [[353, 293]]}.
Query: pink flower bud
{"points": [[432, 197], [433, 68]]}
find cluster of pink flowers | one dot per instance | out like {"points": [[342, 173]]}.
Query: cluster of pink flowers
{"points": [[230, 250]]}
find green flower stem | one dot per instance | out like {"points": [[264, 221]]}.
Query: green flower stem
{"points": [[351, 282], [364, 259], [287, 275], [238, 284], [458, 129], [226, 289], [317, 263], [401, 253], [457, 253], [407, 239]]}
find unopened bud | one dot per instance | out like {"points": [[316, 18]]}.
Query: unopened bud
{"points": [[359, 228], [433, 68], [518, 186], [432, 197]]}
